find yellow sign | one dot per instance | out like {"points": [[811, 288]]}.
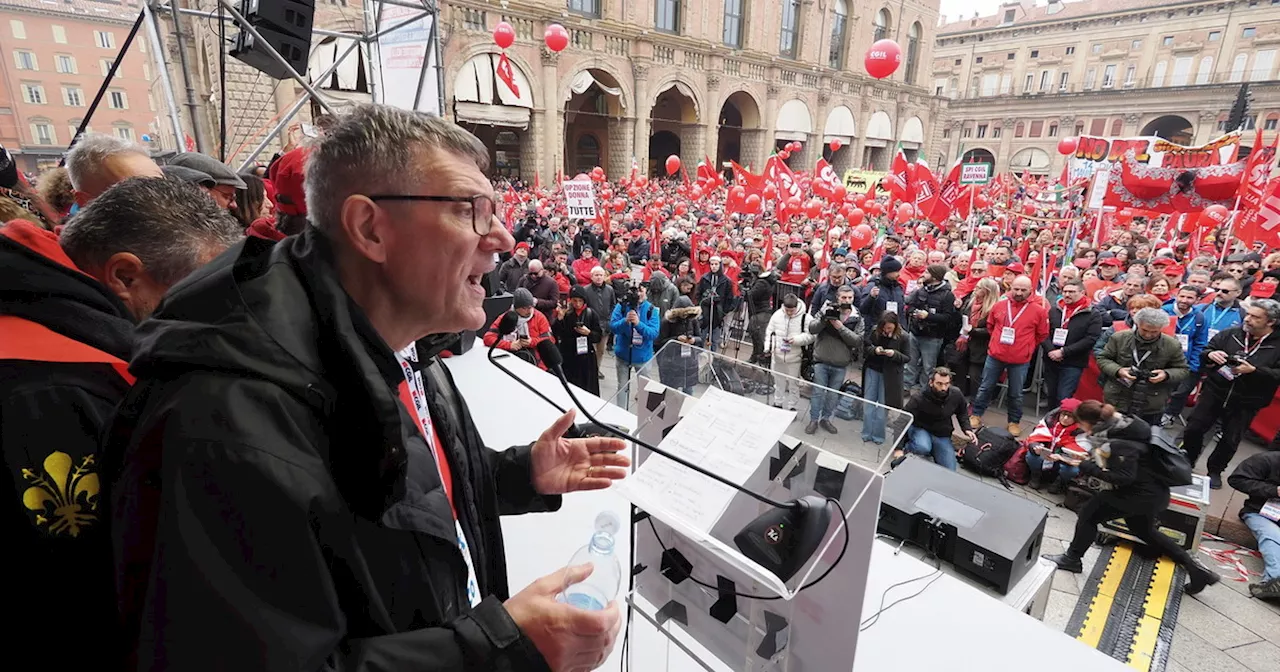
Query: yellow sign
{"points": [[860, 181]]}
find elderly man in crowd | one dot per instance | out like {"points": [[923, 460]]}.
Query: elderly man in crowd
{"points": [[1143, 366], [67, 312], [99, 161], [290, 401]]}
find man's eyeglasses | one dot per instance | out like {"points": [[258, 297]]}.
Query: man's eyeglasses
{"points": [[482, 207]]}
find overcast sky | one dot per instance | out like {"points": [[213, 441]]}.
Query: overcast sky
{"points": [[953, 9]]}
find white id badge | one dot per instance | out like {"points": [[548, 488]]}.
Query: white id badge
{"points": [[1059, 337], [964, 323], [636, 337], [1212, 333], [1184, 341], [686, 351], [1271, 509], [1007, 335], [784, 347], [582, 345], [891, 306], [1227, 373]]}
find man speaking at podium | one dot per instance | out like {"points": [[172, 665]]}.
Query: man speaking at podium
{"points": [[297, 483]]}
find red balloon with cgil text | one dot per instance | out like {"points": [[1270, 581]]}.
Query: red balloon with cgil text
{"points": [[556, 37], [883, 58], [504, 35], [673, 164], [1213, 215], [1067, 146]]}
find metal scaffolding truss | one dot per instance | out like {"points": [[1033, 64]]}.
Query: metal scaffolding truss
{"points": [[380, 24]]}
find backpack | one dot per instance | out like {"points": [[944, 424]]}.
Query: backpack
{"points": [[806, 352], [1169, 463], [849, 408], [988, 456], [1016, 469]]}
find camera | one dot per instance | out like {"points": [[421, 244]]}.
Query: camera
{"points": [[1143, 375], [1235, 360], [831, 312], [631, 300]]}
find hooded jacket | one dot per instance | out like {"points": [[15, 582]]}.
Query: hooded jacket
{"points": [[267, 418], [64, 342], [678, 367], [1258, 477], [940, 303], [1120, 456], [795, 328], [1252, 391], [662, 294]]}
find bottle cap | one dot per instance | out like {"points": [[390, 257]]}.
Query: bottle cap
{"points": [[607, 522]]}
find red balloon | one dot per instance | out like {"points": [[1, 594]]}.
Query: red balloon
{"points": [[642, 181], [673, 164], [504, 35], [633, 192], [1067, 146], [619, 203], [681, 209], [883, 58], [856, 216], [813, 208], [839, 193], [753, 202], [784, 154], [861, 236], [556, 37], [981, 201], [770, 192], [696, 193], [659, 202], [738, 193], [874, 208], [1212, 216], [835, 145]]}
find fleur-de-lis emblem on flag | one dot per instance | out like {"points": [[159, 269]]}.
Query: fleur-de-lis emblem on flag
{"points": [[64, 497]]}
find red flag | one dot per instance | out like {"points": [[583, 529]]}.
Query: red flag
{"points": [[505, 75], [537, 182], [900, 187], [779, 174], [655, 240], [926, 187], [752, 183], [1263, 223], [768, 247], [1252, 188], [825, 180], [949, 193]]}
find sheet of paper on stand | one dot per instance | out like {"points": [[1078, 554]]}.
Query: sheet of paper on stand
{"points": [[723, 433]]}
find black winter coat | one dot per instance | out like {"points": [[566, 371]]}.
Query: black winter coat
{"points": [[1131, 466], [581, 369], [675, 369], [275, 505], [1258, 477], [933, 411], [1253, 391], [1083, 330], [53, 410], [872, 307], [940, 303]]}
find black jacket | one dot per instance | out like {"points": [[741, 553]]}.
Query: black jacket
{"points": [[1083, 330], [581, 369], [714, 294], [1131, 466], [52, 414], [274, 505], [586, 239], [1252, 391], [1258, 477], [760, 296], [872, 307], [933, 411], [941, 306], [511, 272]]}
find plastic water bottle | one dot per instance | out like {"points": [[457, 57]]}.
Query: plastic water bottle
{"points": [[598, 589]]}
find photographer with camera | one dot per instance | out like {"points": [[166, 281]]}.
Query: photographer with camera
{"points": [[635, 325], [838, 334], [932, 309], [1241, 368], [1143, 366]]}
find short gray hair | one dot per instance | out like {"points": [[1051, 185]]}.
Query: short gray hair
{"points": [[1269, 306], [171, 226], [1151, 317], [92, 150], [378, 147]]}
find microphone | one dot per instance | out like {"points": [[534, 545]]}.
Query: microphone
{"points": [[781, 540], [506, 326]]}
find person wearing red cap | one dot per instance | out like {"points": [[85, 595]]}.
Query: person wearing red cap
{"points": [[514, 269], [1053, 450], [287, 175], [794, 268], [1108, 271]]}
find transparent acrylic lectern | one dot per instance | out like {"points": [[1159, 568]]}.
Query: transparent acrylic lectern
{"points": [[686, 564]]}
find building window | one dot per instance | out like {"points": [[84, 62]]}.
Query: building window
{"points": [[1009, 15], [589, 8], [105, 39], [105, 65], [1019, 129], [1157, 79], [1248, 33], [118, 99], [835, 56], [1205, 72], [19, 29], [1167, 41], [1090, 78], [25, 60], [733, 23], [1096, 48], [72, 96], [1130, 71], [1263, 63], [995, 131], [1135, 45], [1029, 84], [1046, 76], [42, 133], [66, 64], [1109, 77], [1181, 71], [1215, 35], [1037, 127], [1079, 129], [1006, 83], [966, 132], [1035, 53], [1270, 124], [1053, 130], [977, 60], [1117, 126], [946, 132], [1063, 78], [124, 133], [1097, 126], [667, 16], [33, 93], [982, 130], [881, 27], [1010, 56], [788, 40], [72, 127], [1071, 50], [59, 34]]}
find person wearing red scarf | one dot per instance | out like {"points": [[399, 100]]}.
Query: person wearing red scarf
{"points": [[1074, 328], [913, 270]]}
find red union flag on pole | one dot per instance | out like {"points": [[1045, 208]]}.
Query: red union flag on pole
{"points": [[900, 179], [1253, 188], [825, 180], [949, 194], [780, 175], [505, 75], [1263, 223]]}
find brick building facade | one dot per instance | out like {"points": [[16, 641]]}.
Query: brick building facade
{"points": [[54, 58]]}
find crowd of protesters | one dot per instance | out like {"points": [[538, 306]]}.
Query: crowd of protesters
{"points": [[217, 389]]}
